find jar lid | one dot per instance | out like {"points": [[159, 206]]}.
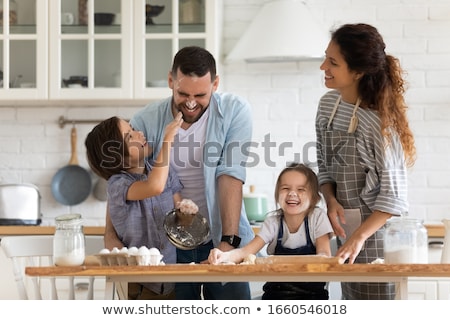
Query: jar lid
{"points": [[69, 218], [404, 219]]}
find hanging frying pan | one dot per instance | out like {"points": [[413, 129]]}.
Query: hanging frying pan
{"points": [[72, 184]]}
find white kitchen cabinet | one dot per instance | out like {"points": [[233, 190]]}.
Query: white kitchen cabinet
{"points": [[100, 56], [430, 288], [184, 23], [51, 41], [24, 49]]}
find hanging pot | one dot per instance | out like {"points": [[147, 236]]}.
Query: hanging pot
{"points": [[100, 188]]}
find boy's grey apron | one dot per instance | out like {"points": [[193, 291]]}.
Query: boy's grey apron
{"points": [[345, 168]]}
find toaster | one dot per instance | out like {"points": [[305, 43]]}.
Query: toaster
{"points": [[20, 204]]}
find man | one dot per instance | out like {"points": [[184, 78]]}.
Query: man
{"points": [[209, 156]]}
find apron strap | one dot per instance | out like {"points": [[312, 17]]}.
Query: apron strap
{"points": [[333, 113], [354, 119]]}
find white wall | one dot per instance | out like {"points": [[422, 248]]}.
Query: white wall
{"points": [[284, 97]]}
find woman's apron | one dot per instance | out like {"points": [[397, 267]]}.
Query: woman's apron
{"points": [[343, 163], [295, 290]]}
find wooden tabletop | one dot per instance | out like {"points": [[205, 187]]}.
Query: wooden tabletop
{"points": [[261, 271]]}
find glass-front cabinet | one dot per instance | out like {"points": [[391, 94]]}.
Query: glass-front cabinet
{"points": [[23, 49], [99, 49], [91, 49], [166, 27]]}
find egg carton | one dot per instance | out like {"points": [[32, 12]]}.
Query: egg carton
{"points": [[118, 259]]}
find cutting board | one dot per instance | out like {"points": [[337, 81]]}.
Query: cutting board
{"points": [[300, 259]]}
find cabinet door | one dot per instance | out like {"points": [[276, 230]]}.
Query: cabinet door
{"points": [[444, 289], [90, 49], [422, 289], [161, 29], [23, 49]]}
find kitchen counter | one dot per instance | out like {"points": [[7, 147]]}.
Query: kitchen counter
{"points": [[434, 230], [44, 230]]}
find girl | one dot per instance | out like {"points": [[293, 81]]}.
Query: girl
{"points": [[364, 145], [139, 194], [298, 227]]}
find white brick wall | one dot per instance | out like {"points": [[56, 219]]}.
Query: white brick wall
{"points": [[284, 99], [284, 95]]}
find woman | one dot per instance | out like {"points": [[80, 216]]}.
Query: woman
{"points": [[364, 146]]}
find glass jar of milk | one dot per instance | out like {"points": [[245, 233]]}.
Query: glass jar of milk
{"points": [[405, 241], [68, 241]]}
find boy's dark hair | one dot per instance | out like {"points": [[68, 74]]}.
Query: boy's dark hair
{"points": [[106, 149]]}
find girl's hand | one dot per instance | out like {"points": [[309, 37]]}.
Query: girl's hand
{"points": [[217, 256]]}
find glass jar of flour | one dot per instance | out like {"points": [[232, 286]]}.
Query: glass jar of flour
{"points": [[68, 241], [405, 241]]}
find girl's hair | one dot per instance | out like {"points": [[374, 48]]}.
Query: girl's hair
{"points": [[106, 149], [381, 87], [311, 178]]}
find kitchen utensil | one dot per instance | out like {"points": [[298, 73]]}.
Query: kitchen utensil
{"points": [[445, 258], [100, 188], [255, 205], [152, 11], [103, 18], [19, 204], [81, 81], [71, 184], [186, 231]]}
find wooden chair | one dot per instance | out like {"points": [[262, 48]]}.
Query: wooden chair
{"points": [[38, 251]]}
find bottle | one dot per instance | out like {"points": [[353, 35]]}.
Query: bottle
{"points": [[68, 241], [83, 12], [191, 11], [405, 241]]}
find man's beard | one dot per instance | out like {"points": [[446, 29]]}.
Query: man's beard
{"points": [[186, 115]]}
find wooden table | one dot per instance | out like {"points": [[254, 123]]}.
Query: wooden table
{"points": [[397, 273]]}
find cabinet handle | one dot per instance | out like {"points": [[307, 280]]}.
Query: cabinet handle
{"points": [[436, 244]]}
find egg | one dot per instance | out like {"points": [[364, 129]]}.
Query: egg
{"points": [[124, 250], [154, 251], [104, 251], [133, 251], [143, 251], [115, 250]]}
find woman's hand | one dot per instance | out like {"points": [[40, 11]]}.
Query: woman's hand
{"points": [[336, 216], [350, 249], [354, 244]]}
